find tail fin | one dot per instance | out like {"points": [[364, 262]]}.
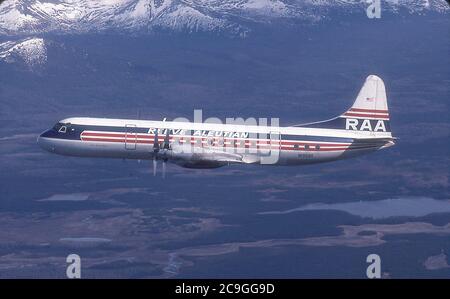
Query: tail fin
{"points": [[369, 114], [371, 102]]}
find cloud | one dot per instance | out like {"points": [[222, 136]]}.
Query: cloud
{"points": [[372, 234], [32, 136], [436, 262], [84, 241], [67, 197], [380, 209], [102, 196]]}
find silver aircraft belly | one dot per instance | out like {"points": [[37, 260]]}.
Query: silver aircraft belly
{"points": [[145, 151]]}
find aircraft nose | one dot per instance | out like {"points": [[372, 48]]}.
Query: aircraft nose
{"points": [[44, 141], [46, 134]]}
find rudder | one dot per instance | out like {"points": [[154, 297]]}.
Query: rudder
{"points": [[369, 114], [371, 102]]}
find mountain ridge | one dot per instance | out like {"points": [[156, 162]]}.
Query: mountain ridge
{"points": [[230, 16]]}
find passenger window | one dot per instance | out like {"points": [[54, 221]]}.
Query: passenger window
{"points": [[306, 146], [63, 129]]}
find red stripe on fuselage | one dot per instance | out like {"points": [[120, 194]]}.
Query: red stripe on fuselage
{"points": [[132, 136], [261, 146]]}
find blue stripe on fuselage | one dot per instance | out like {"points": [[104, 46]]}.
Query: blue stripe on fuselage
{"points": [[74, 131]]}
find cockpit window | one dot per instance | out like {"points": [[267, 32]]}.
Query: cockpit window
{"points": [[57, 127], [62, 127]]}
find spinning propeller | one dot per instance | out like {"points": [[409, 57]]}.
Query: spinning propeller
{"points": [[160, 151]]}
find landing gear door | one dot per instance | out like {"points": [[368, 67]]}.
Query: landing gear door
{"points": [[130, 137]]}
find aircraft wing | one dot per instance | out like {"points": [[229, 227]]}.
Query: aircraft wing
{"points": [[188, 156]]}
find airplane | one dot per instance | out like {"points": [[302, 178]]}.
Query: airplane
{"points": [[362, 129]]}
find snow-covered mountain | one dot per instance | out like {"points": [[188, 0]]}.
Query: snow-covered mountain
{"points": [[30, 51], [235, 16]]}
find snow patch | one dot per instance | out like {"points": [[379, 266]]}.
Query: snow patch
{"points": [[267, 7], [79, 16], [32, 51]]}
